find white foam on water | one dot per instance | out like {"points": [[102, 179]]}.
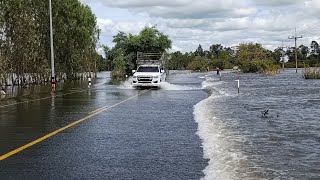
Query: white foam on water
{"points": [[211, 86], [203, 77], [218, 142], [99, 84], [126, 84], [216, 145], [163, 86], [173, 87], [207, 85]]}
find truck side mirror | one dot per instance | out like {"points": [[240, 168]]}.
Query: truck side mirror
{"points": [[133, 71]]}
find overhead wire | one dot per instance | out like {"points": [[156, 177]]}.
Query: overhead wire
{"points": [[312, 27], [315, 20]]}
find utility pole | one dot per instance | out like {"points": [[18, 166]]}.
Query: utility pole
{"points": [[295, 37], [51, 45]]}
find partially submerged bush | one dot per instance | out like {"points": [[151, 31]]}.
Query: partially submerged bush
{"points": [[253, 58], [268, 67], [261, 66], [311, 73], [119, 70], [221, 63], [198, 64]]}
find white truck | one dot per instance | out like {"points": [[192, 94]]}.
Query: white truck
{"points": [[150, 71]]}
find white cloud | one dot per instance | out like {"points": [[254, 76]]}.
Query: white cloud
{"points": [[184, 8], [313, 4], [143, 3], [229, 22], [105, 24], [277, 2], [110, 27]]}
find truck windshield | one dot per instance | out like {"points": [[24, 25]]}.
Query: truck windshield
{"points": [[147, 69]]}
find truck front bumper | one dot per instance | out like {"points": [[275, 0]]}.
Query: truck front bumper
{"points": [[145, 84]]}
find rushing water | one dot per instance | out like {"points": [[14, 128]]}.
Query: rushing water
{"points": [[241, 143]]}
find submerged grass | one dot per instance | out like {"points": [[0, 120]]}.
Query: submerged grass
{"points": [[311, 73]]}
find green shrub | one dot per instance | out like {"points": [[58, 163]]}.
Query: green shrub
{"points": [[221, 64], [249, 66], [293, 65], [119, 70], [261, 66], [198, 64]]}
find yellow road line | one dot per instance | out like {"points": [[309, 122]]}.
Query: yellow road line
{"points": [[66, 127], [99, 109]]}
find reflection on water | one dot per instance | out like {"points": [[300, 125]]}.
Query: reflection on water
{"points": [[18, 93], [26, 113]]}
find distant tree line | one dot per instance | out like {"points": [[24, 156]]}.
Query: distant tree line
{"points": [[216, 57], [25, 40], [251, 57]]}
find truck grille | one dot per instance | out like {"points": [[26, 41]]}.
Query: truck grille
{"points": [[145, 79]]}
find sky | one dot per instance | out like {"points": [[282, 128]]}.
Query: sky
{"points": [[189, 23]]}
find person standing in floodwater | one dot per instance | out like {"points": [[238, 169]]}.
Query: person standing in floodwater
{"points": [[218, 71]]}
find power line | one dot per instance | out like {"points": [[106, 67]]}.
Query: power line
{"points": [[311, 32], [310, 27], [295, 37]]}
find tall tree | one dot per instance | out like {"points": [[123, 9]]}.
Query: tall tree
{"points": [[277, 54], [199, 51], [303, 52], [290, 54], [315, 49], [180, 61], [25, 42], [149, 40], [215, 49]]}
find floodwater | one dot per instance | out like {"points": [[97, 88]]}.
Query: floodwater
{"points": [[242, 143], [194, 127], [152, 135]]}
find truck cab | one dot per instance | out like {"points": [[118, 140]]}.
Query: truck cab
{"points": [[148, 76]]}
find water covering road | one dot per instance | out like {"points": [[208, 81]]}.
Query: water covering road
{"points": [[168, 133], [151, 136]]}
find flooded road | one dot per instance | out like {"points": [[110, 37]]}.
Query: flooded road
{"points": [[194, 127], [123, 134]]}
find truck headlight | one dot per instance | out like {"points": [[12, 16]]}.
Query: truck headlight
{"points": [[155, 77], [134, 77]]}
